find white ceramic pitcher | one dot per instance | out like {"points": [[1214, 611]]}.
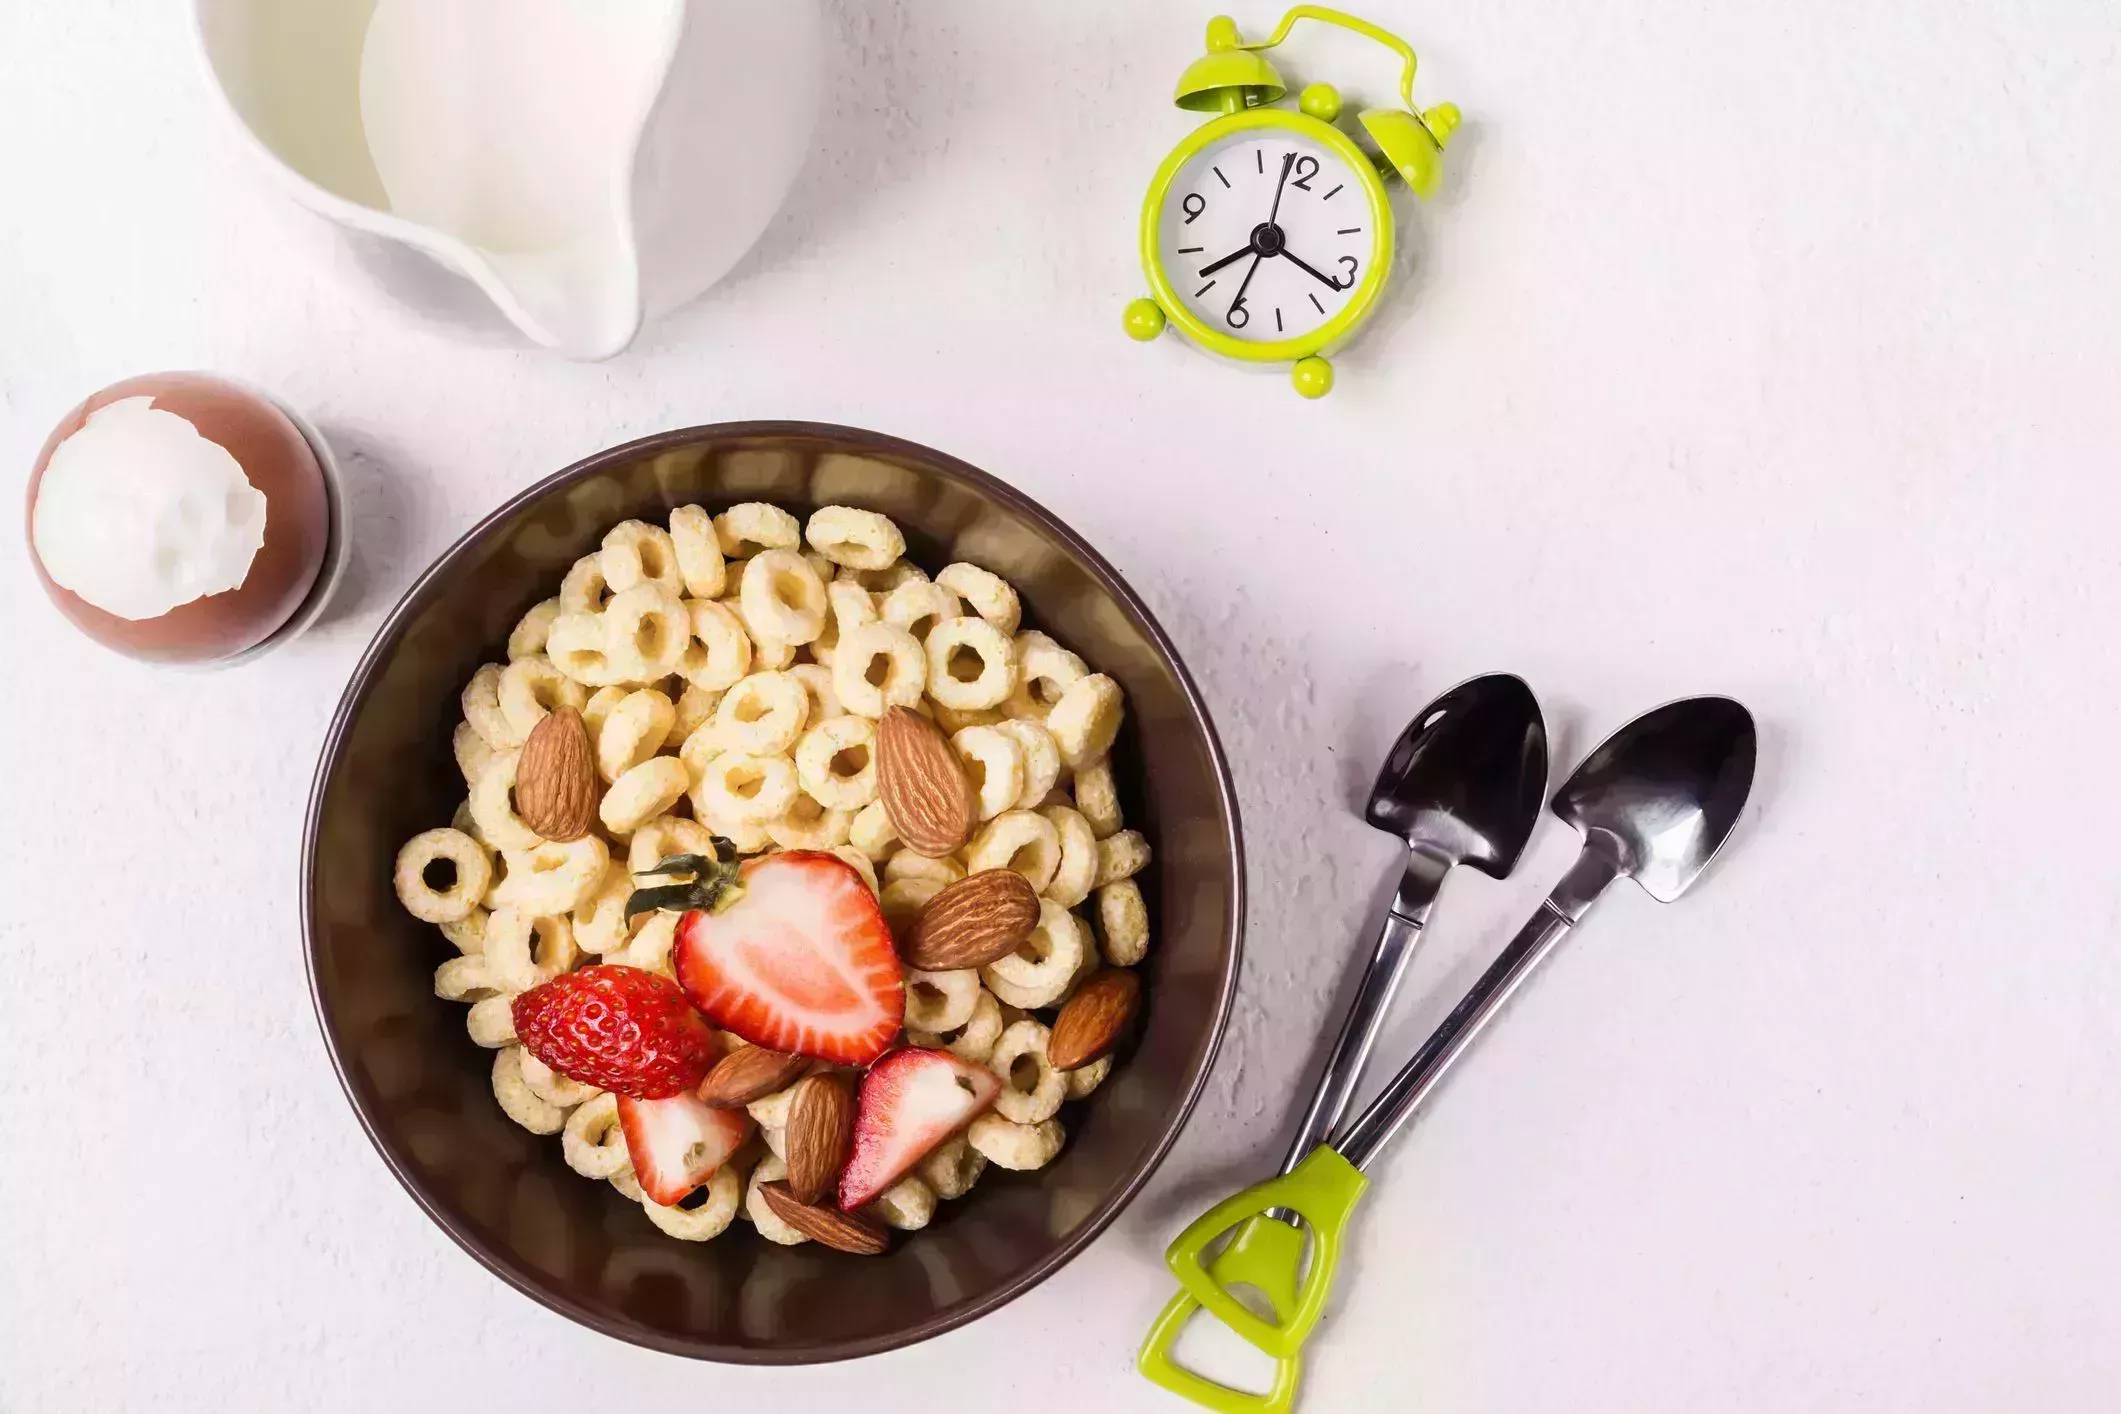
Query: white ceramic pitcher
{"points": [[587, 164]]}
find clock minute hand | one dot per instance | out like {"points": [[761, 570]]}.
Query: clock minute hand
{"points": [[1287, 159], [1327, 280], [1230, 259]]}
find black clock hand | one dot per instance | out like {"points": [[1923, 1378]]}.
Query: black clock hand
{"points": [[1286, 160], [1230, 259], [1240, 299], [1329, 281]]}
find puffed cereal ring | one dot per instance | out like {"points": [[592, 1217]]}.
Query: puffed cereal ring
{"points": [[473, 753], [955, 719], [885, 580], [1040, 971], [481, 701], [517, 1102], [707, 1221], [524, 952], [1071, 882], [994, 763], [468, 934], [600, 922], [816, 679], [771, 1111], [1098, 798], [460, 819], [783, 599], [1009, 1145], [776, 1142], [551, 1086], [809, 825], [551, 877], [532, 689], [746, 789], [878, 666], [918, 606], [650, 623], [584, 589], [1042, 762], [971, 664], [941, 1001], [836, 762], [749, 836], [1121, 856], [903, 899], [693, 709], [908, 1205], [466, 979], [871, 832], [636, 552], [629, 1185], [598, 709], [593, 1144], [1019, 840], [908, 865], [1032, 1090], [768, 1222], [989, 595], [859, 863], [577, 646], [527, 638], [857, 539], [633, 731], [644, 792], [1122, 923], [699, 552], [460, 872], [664, 836], [1085, 1078], [492, 1021], [651, 945], [952, 1167], [763, 715], [721, 652], [1086, 719], [749, 527], [852, 606], [975, 1040]]}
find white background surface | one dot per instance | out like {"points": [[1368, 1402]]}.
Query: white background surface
{"points": [[1766, 349]]}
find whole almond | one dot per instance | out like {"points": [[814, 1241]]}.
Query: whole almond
{"points": [[840, 1231], [1094, 1019], [750, 1073], [923, 788], [972, 922], [556, 778], [820, 1134]]}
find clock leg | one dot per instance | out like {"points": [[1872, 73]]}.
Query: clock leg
{"points": [[1143, 320], [1313, 377]]}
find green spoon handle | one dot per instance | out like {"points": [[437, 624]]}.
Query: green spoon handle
{"points": [[1266, 1255]]}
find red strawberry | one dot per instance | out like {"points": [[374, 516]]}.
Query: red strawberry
{"points": [[618, 1028], [678, 1143], [801, 962], [911, 1101]]}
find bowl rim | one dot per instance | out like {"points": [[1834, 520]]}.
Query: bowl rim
{"points": [[385, 641]]}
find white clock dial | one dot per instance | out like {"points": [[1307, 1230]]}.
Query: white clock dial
{"points": [[1264, 236]]}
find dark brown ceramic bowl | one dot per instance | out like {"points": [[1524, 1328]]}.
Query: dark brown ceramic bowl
{"points": [[421, 1087]]}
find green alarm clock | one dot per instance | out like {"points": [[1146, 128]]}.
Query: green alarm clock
{"points": [[1267, 233]]}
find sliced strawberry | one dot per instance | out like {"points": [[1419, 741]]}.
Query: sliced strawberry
{"points": [[911, 1101], [677, 1143], [801, 962], [617, 1028]]}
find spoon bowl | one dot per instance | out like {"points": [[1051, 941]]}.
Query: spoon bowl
{"points": [[1463, 782]]}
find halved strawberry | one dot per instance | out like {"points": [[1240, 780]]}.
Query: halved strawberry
{"points": [[677, 1143], [911, 1101], [801, 962]]}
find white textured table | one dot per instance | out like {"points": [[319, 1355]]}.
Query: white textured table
{"points": [[1766, 349]]}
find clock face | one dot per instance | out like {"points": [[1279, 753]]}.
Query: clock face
{"points": [[1265, 235]]}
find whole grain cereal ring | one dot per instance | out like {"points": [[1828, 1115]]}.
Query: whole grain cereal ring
{"points": [[1085, 1078], [579, 648], [467, 979], [532, 689], [1042, 762], [871, 832], [783, 598], [651, 945], [441, 875], [665, 836], [975, 1040], [633, 731], [1032, 1090], [481, 701], [816, 679], [771, 1111], [693, 709], [941, 1001], [994, 763], [857, 539], [598, 709], [1046, 669], [468, 934], [492, 1021], [1019, 840], [776, 1142], [1121, 856], [527, 638], [809, 825], [918, 605], [955, 719], [1071, 882], [878, 666], [710, 1219], [1122, 923], [552, 1087], [593, 1143], [1009, 1145], [885, 580], [584, 589], [636, 552], [600, 922], [517, 1101], [852, 606], [1086, 720], [907, 865], [550, 876], [648, 623], [473, 753], [749, 836], [763, 715], [1098, 798], [740, 787], [859, 863], [971, 664], [698, 551], [644, 792], [629, 1185], [836, 762], [749, 527], [952, 1167], [903, 899], [988, 594], [768, 1222], [908, 1205], [721, 651], [524, 952], [1040, 971]]}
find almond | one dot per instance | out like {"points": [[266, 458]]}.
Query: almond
{"points": [[924, 790], [750, 1073], [979, 918], [1094, 1019], [556, 778], [840, 1231], [820, 1134]]}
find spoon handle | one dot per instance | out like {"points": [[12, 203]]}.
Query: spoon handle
{"points": [[1587, 878]]}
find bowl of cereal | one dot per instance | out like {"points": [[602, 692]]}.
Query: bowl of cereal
{"points": [[772, 893]]}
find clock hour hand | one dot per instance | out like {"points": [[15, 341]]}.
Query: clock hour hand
{"points": [[1242, 286], [1327, 280], [1230, 259]]}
